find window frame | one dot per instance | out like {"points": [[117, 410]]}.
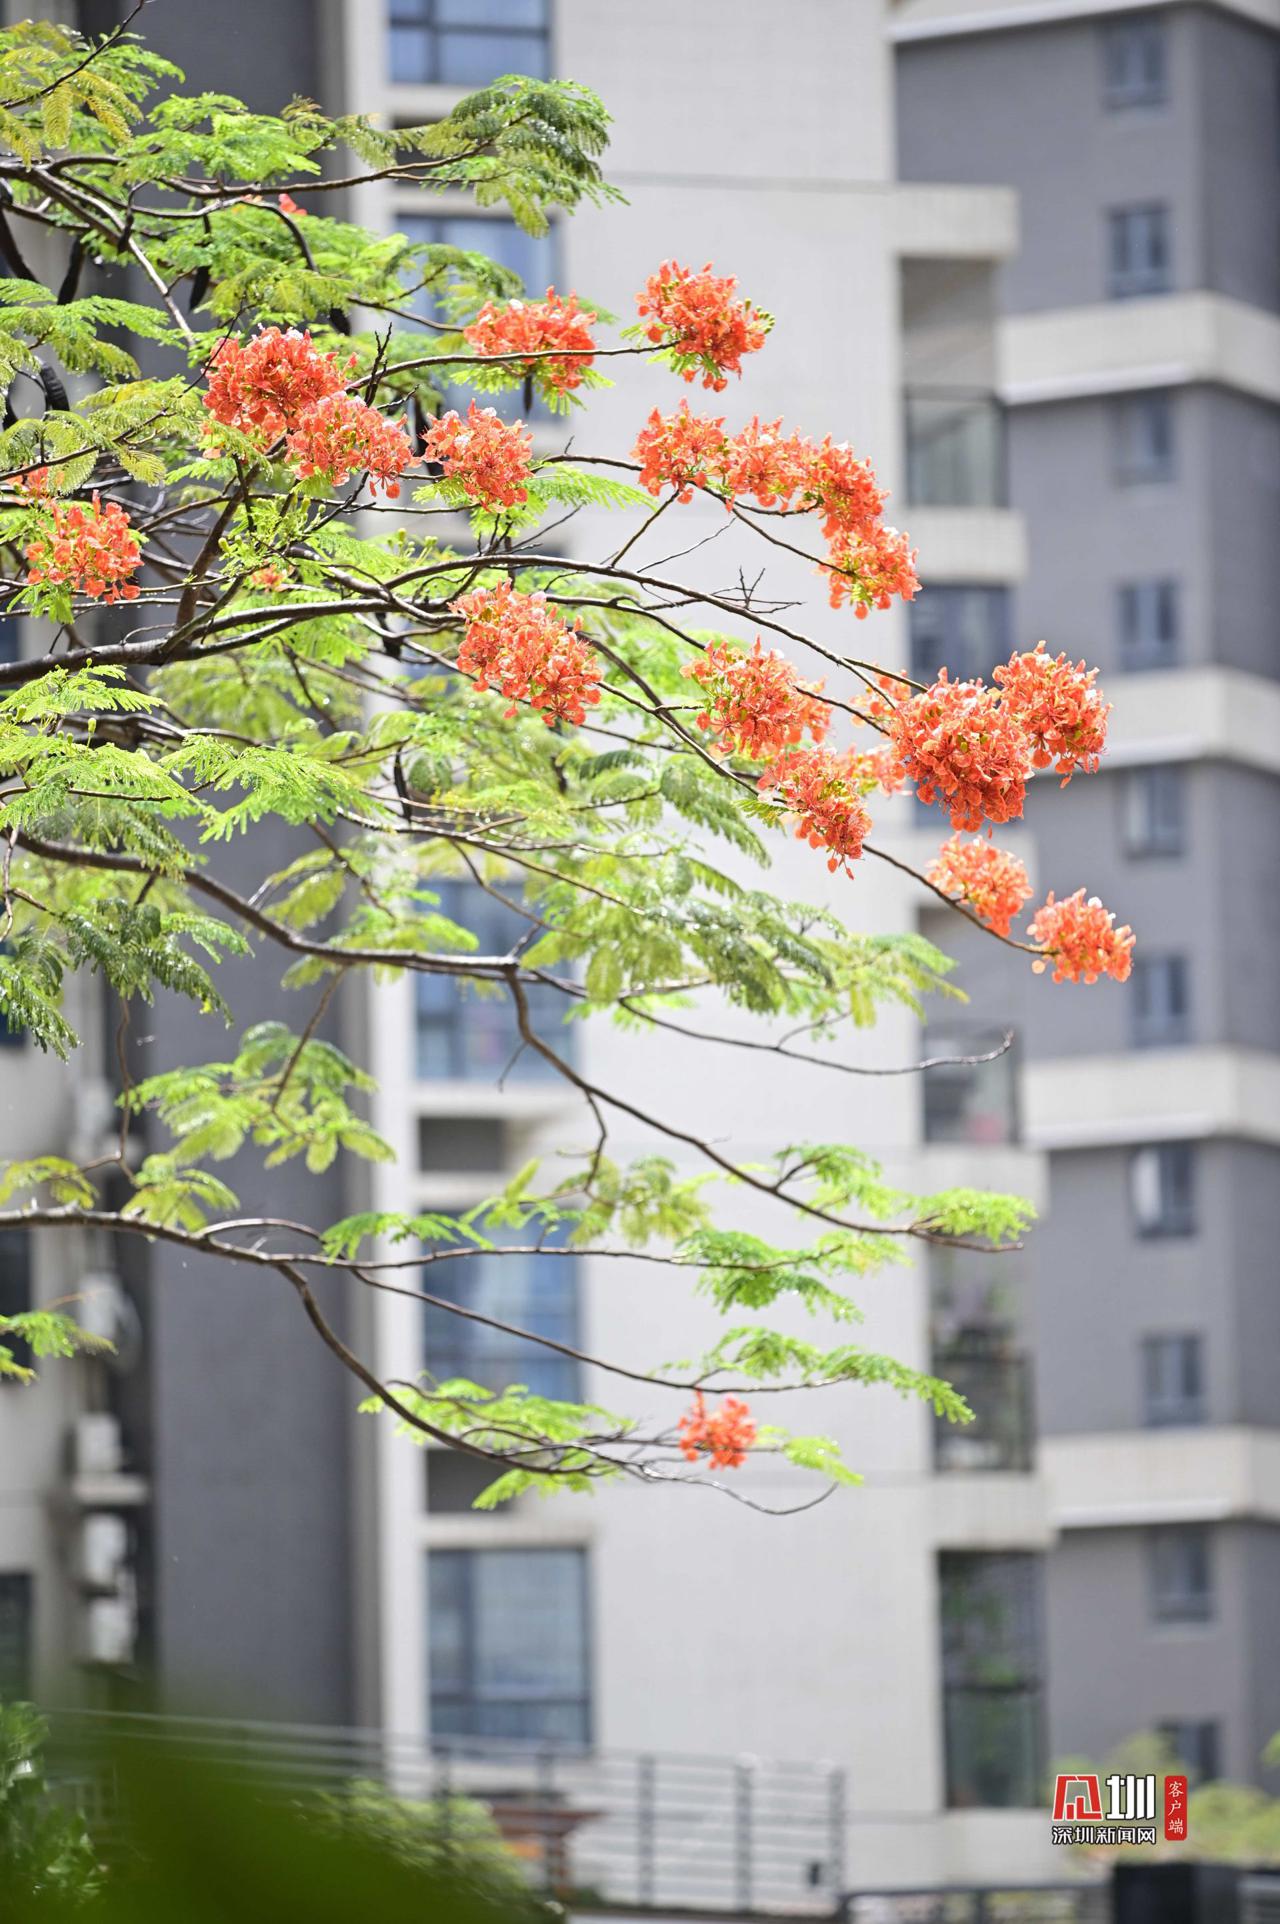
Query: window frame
{"points": [[1120, 93], [548, 1372], [17, 1290], [18, 1586], [1151, 466], [491, 1019], [1139, 250], [1178, 1215], [1149, 623], [1178, 1603], [1169, 1027], [472, 1695], [421, 17], [1181, 1407], [1146, 835], [965, 1689]]}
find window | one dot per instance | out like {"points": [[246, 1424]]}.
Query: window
{"points": [[1172, 1381], [1162, 1187], [1160, 1005], [992, 1677], [1143, 438], [507, 1642], [1155, 811], [15, 1290], [15, 1635], [8, 638], [1195, 1745], [1134, 64], [537, 1293], [966, 629], [468, 1033], [530, 256], [467, 43], [955, 449], [1148, 622], [1181, 1574], [1138, 252], [967, 1100]]}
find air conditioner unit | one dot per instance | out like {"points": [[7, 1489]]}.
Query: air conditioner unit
{"points": [[108, 1630], [102, 1561], [98, 1449]]}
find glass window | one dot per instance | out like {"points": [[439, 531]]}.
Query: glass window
{"points": [[507, 1643], [1134, 62], [15, 1290], [8, 638], [1162, 1187], [468, 1036], [1160, 1005], [1155, 811], [466, 43], [965, 1100], [531, 256], [964, 629], [15, 1635], [537, 1293], [955, 449], [992, 1669], [1172, 1381], [1143, 438], [1195, 1745], [1139, 252], [1181, 1574], [1148, 623]]}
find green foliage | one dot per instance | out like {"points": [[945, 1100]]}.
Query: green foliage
{"points": [[290, 665], [45, 1851]]}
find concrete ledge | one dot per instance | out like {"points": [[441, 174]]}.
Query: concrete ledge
{"points": [[1152, 1095], [1161, 1476], [936, 19], [1117, 346], [1192, 714], [946, 222], [968, 544], [973, 1510]]}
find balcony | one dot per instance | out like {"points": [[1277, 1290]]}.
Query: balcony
{"points": [[955, 448], [996, 1384], [971, 1087]]}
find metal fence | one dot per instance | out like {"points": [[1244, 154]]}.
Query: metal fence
{"points": [[1029, 1904], [601, 1829]]}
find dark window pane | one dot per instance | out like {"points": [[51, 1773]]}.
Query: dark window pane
{"points": [[961, 628], [1134, 62], [15, 1635], [992, 1662], [1162, 1189], [1172, 1381], [1143, 438], [1161, 1001], [15, 1290], [1195, 1745], [1139, 252], [507, 1638], [458, 44], [1149, 625], [536, 1293], [955, 449], [470, 1035], [1155, 811], [1181, 1574]]}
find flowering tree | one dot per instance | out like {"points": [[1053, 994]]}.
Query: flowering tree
{"points": [[249, 600]]}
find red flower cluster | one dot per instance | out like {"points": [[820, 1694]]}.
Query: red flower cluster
{"points": [[870, 569], [756, 704], [93, 549], [1081, 940], [264, 386], [725, 1436], [682, 449], [517, 644], [992, 882], [483, 454], [844, 489], [1059, 707], [534, 328], [696, 318], [762, 461], [342, 435], [961, 746], [823, 790]]}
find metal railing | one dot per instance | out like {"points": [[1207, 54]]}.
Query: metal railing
{"points": [[1023, 1904], [997, 1388], [602, 1830], [955, 449]]}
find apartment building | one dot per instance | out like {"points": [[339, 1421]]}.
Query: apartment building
{"points": [[1078, 451], [1139, 379]]}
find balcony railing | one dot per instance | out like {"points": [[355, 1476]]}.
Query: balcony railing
{"points": [[997, 1387], [602, 1830], [955, 449]]}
